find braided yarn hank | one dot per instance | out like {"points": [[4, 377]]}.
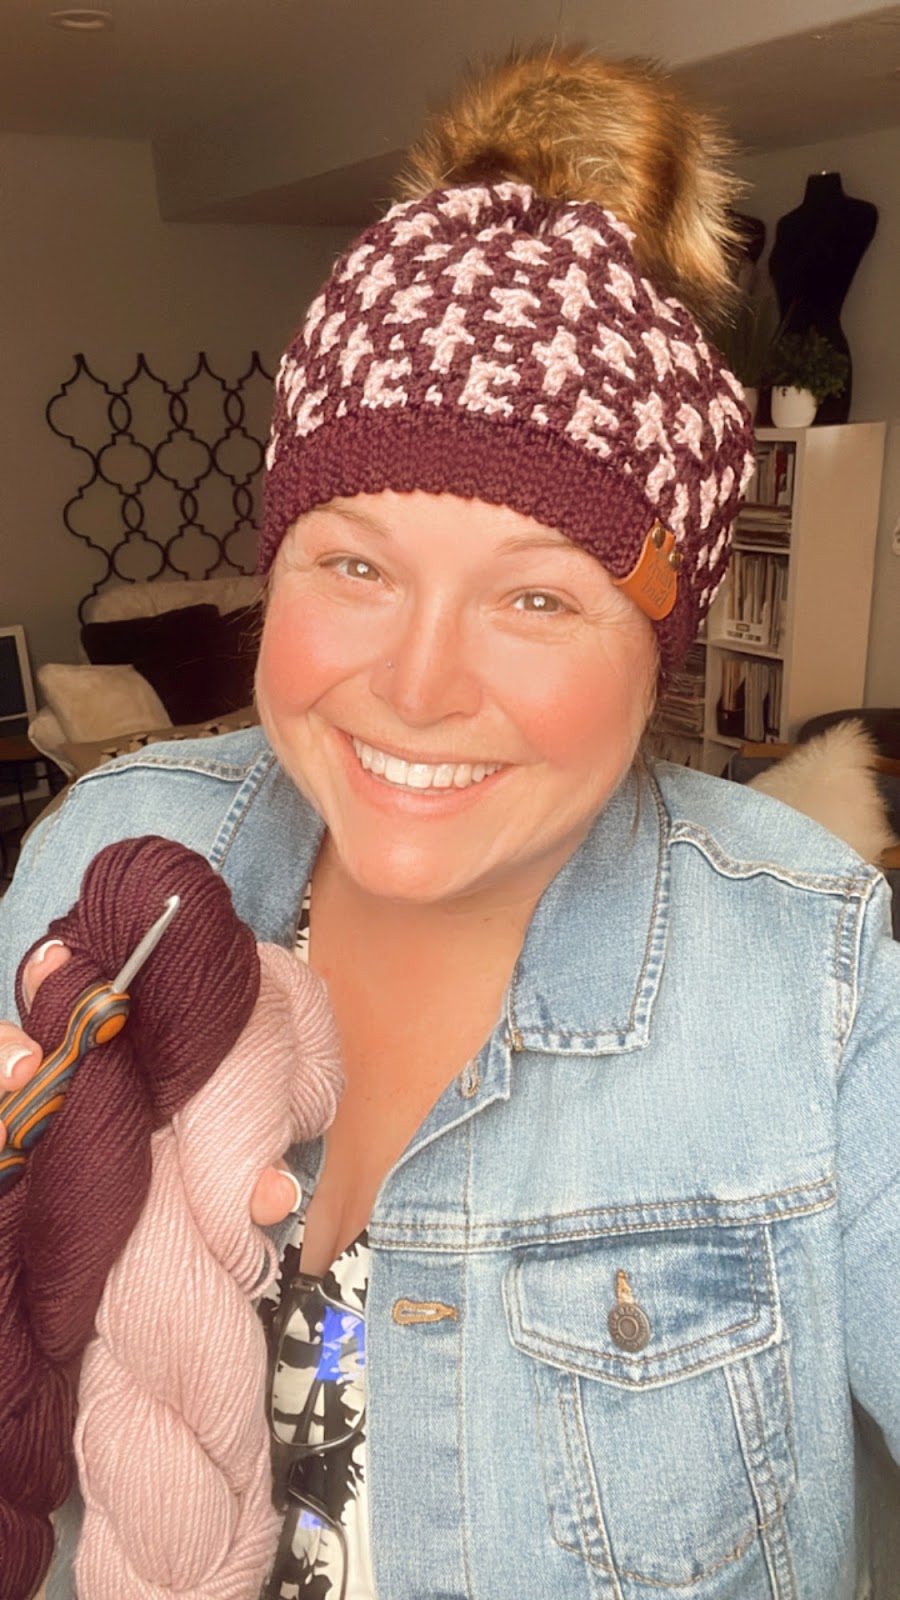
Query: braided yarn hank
{"points": [[172, 1437], [64, 1223]]}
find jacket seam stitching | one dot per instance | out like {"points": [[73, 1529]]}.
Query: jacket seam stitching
{"points": [[662, 1205], [205, 766], [460, 1390], [254, 779], [675, 1350], [383, 1234], [857, 883], [663, 824], [774, 1557], [665, 1380], [686, 1583], [599, 1521]]}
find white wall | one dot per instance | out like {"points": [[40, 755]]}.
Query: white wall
{"points": [[870, 168], [87, 265]]}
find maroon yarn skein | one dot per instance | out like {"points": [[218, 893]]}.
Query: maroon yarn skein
{"points": [[65, 1222]]}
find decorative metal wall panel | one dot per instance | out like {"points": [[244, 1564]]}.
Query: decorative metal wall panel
{"points": [[173, 469]]}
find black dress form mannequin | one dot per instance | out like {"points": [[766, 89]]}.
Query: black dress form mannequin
{"points": [[816, 252]]}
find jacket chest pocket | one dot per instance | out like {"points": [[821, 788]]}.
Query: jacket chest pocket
{"points": [[662, 1406]]}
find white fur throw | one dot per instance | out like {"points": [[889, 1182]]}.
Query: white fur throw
{"points": [[831, 779]]}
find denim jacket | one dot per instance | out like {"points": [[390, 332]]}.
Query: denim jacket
{"points": [[642, 1252]]}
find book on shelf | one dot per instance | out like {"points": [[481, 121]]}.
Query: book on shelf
{"points": [[765, 516], [749, 705], [772, 482], [755, 596]]}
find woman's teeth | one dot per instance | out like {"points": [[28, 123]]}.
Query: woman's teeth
{"points": [[419, 774]]}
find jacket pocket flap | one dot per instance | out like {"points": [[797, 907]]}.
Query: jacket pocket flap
{"points": [[646, 1309]]}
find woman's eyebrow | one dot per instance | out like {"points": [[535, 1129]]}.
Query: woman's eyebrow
{"points": [[517, 543], [363, 519], [514, 544]]}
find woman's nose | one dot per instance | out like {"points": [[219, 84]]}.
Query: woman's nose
{"points": [[426, 673]]}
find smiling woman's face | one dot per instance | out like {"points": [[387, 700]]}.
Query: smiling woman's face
{"points": [[457, 690]]}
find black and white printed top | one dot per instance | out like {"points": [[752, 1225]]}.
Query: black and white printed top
{"points": [[336, 1478]]}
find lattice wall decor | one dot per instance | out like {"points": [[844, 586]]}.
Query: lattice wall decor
{"points": [[175, 469]]}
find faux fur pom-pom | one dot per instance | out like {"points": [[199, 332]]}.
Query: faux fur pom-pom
{"points": [[576, 127]]}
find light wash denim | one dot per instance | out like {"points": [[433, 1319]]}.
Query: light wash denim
{"points": [[695, 1082]]}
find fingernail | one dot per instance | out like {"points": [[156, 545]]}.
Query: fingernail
{"points": [[296, 1191], [42, 949], [22, 1054]]}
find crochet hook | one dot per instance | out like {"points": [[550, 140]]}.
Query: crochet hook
{"points": [[99, 1013]]}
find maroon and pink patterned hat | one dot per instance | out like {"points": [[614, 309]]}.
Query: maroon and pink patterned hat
{"points": [[488, 343]]}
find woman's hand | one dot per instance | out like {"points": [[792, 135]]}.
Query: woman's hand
{"points": [[276, 1192]]}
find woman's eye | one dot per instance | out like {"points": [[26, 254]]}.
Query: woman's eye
{"points": [[355, 567], [539, 603]]}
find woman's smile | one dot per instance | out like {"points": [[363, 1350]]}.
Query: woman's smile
{"points": [[413, 774]]}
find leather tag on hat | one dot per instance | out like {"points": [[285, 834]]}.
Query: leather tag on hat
{"points": [[652, 582]]}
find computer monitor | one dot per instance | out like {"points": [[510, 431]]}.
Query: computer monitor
{"points": [[17, 702]]}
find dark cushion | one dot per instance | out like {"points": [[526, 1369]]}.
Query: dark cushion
{"points": [[238, 635], [200, 664]]}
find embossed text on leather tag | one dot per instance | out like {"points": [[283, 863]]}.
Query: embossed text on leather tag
{"points": [[652, 582]]}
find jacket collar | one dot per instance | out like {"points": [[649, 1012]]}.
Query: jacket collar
{"points": [[590, 967], [592, 960], [266, 848]]}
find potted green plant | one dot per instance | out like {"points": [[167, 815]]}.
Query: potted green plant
{"points": [[803, 369], [745, 341]]}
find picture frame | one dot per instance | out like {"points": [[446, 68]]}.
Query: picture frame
{"points": [[17, 702]]}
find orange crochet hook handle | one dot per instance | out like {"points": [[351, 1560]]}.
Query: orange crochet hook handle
{"points": [[99, 1013]]}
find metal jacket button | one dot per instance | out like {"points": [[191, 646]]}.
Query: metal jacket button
{"points": [[628, 1323]]}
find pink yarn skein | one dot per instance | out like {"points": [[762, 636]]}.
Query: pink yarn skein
{"points": [[172, 1440]]}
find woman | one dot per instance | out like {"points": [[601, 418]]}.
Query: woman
{"points": [[615, 1170]]}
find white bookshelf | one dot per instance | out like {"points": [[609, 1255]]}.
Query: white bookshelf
{"points": [[808, 559]]}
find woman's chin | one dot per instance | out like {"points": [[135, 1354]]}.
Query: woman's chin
{"points": [[413, 877]]}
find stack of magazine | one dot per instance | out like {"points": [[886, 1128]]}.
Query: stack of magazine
{"points": [[681, 708], [765, 517]]}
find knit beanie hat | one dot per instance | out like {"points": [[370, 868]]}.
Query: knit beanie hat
{"points": [[495, 344]]}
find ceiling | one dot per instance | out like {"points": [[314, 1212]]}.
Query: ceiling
{"points": [[822, 84], [296, 110]]}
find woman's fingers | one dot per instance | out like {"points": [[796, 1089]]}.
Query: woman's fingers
{"points": [[48, 957], [20, 1056], [276, 1194]]}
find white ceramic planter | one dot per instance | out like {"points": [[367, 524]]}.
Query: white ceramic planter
{"points": [[793, 408]]}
